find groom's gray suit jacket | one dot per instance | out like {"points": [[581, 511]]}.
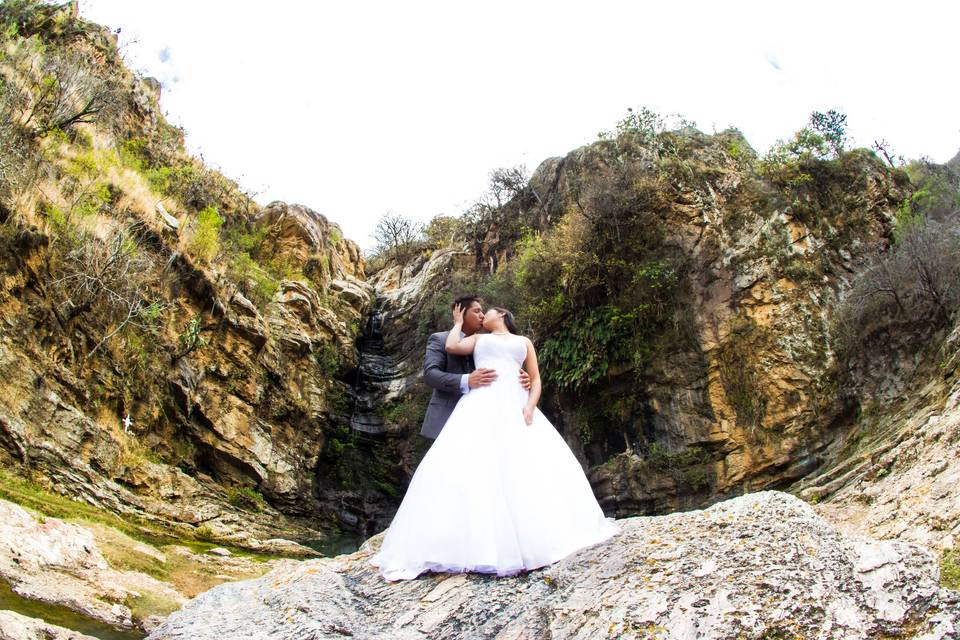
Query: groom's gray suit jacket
{"points": [[442, 371]]}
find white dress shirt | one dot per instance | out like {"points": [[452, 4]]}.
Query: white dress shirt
{"points": [[465, 378]]}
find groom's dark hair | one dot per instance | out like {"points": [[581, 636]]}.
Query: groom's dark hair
{"points": [[466, 301]]}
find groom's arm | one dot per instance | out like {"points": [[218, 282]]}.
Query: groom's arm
{"points": [[433, 364]]}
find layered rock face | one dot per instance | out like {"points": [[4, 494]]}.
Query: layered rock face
{"points": [[897, 474], [752, 391], [248, 408], [171, 350], [760, 566], [383, 446]]}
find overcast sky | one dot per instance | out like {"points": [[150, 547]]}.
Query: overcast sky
{"points": [[357, 109]]}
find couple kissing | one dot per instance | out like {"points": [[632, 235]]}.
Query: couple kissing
{"points": [[452, 375]]}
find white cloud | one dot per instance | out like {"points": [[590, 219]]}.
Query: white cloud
{"points": [[356, 109]]}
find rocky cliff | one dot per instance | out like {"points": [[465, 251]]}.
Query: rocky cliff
{"points": [[689, 345], [897, 474], [171, 351]]}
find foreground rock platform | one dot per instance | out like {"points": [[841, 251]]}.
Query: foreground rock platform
{"points": [[763, 565]]}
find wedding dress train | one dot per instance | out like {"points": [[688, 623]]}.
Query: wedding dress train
{"points": [[493, 494]]}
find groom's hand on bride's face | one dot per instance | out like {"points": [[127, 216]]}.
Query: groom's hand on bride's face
{"points": [[525, 379], [481, 378]]}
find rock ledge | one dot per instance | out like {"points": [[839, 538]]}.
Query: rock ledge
{"points": [[761, 565]]}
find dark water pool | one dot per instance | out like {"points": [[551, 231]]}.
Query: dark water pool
{"points": [[344, 543]]}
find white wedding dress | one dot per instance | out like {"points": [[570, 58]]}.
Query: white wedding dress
{"points": [[493, 494]]}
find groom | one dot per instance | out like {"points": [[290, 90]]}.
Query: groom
{"points": [[451, 375]]}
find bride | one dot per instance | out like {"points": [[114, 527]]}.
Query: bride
{"points": [[499, 491]]}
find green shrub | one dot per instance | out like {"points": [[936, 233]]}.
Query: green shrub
{"points": [[191, 339], [740, 381], [907, 221], [58, 218], [408, 412], [253, 264], [643, 122], [950, 569], [936, 192], [186, 180], [593, 340], [96, 200], [327, 356], [246, 237], [256, 282], [133, 154], [205, 241], [686, 467], [246, 498]]}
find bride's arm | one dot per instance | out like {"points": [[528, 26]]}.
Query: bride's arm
{"points": [[454, 344], [533, 369]]}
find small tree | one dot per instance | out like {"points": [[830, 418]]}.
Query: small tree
{"points": [[645, 123], [883, 148], [916, 282], [825, 137], [67, 92], [111, 281], [832, 125], [442, 231], [396, 237], [506, 183]]}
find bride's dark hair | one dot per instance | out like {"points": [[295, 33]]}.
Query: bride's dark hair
{"points": [[508, 320]]}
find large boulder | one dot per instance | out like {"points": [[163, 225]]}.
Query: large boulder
{"points": [[302, 234]]}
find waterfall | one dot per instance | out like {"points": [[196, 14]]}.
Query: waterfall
{"points": [[376, 371]]}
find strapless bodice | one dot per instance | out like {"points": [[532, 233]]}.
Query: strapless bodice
{"points": [[505, 353]]}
